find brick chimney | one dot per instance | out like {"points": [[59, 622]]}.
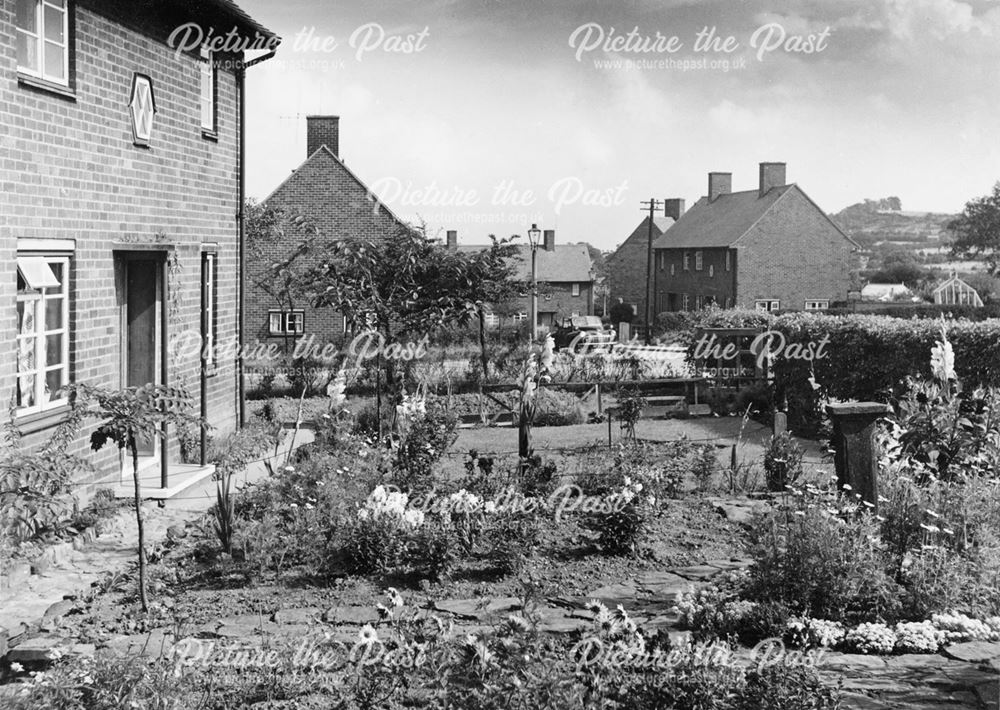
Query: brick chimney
{"points": [[452, 240], [673, 207], [550, 240], [771, 175], [719, 184], [320, 131]]}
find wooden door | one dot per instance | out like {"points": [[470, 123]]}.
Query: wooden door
{"points": [[141, 330]]}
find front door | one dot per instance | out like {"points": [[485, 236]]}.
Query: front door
{"points": [[141, 280]]}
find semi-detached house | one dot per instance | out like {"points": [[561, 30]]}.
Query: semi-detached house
{"points": [[120, 194]]}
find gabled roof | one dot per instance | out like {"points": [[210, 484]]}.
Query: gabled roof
{"points": [[236, 11], [953, 280], [325, 159], [721, 222], [641, 232], [568, 263]]}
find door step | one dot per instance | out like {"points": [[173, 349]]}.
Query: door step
{"points": [[180, 477]]}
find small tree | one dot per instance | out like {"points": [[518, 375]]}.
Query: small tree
{"points": [[129, 416]]}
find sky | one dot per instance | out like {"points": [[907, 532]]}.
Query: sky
{"points": [[487, 115]]}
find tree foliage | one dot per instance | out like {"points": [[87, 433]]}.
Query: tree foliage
{"points": [[977, 230]]}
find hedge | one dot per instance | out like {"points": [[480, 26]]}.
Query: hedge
{"points": [[866, 357]]}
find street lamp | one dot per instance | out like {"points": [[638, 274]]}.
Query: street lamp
{"points": [[534, 234]]}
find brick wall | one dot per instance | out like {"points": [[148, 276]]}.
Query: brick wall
{"points": [[331, 198], [69, 170], [627, 269], [558, 299], [793, 254], [714, 281]]}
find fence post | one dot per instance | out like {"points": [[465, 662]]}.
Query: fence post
{"points": [[854, 446]]}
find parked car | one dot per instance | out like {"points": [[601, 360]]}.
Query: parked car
{"points": [[585, 333]]}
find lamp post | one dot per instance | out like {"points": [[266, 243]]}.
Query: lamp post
{"points": [[534, 234]]}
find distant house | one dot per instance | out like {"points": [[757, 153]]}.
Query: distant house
{"points": [[565, 280], [330, 197], [884, 292], [955, 292], [627, 266], [769, 248]]}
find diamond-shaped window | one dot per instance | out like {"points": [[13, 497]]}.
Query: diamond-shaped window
{"points": [[142, 107]]}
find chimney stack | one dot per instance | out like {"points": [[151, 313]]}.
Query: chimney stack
{"points": [[673, 207], [550, 239], [320, 131], [719, 184], [452, 240], [771, 175]]}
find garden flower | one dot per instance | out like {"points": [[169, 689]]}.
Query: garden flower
{"points": [[943, 357], [395, 598], [16, 667], [518, 623], [368, 634]]}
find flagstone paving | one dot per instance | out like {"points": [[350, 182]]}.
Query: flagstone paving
{"points": [[964, 675]]}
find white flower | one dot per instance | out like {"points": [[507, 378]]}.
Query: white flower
{"points": [[368, 634], [414, 517], [395, 598], [16, 667], [943, 357], [489, 507]]}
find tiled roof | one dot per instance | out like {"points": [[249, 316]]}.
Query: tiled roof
{"points": [[721, 222], [568, 263]]}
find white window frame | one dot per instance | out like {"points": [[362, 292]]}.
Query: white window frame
{"points": [[685, 302], [711, 271], [729, 260], [41, 335], [699, 260], [207, 89], [491, 320], [817, 304], [687, 261], [519, 317], [673, 269], [576, 289], [41, 42], [699, 302], [768, 305], [286, 323]]}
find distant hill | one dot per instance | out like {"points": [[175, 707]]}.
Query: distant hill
{"points": [[874, 221]]}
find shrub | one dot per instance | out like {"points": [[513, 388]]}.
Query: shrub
{"points": [[432, 549], [427, 439], [558, 408], [874, 638], [630, 406], [513, 539], [822, 558], [705, 464], [782, 462]]}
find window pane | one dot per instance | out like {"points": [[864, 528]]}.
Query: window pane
{"points": [[53, 313], [25, 354], [53, 24], [26, 391], [53, 350], [27, 52], [53, 383], [26, 318], [57, 3], [26, 18], [54, 57]]}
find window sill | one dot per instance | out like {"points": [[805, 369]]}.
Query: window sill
{"points": [[49, 87], [38, 421], [210, 135]]}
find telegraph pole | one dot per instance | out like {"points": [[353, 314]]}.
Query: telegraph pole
{"points": [[652, 205]]}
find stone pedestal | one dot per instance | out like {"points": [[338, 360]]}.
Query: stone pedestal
{"points": [[854, 444]]}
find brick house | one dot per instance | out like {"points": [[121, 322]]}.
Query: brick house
{"points": [[119, 235], [627, 265], [565, 281], [770, 248], [333, 200]]}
